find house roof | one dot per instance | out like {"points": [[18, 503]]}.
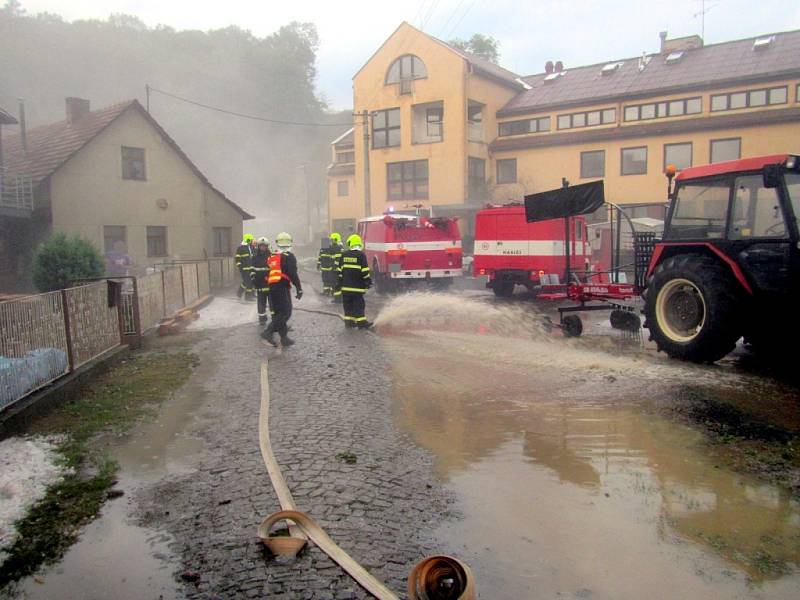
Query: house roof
{"points": [[344, 140], [6, 118], [479, 65], [714, 65], [49, 147]]}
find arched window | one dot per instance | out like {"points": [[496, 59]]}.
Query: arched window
{"points": [[405, 68]]}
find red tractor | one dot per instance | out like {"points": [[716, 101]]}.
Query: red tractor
{"points": [[728, 265]]}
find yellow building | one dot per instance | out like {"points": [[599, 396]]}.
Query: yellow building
{"points": [[114, 177], [449, 131]]}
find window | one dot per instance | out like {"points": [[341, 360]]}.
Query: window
{"points": [[115, 239], [793, 187], [406, 68], [756, 210], [133, 163], [660, 110], [342, 188], [345, 157], [593, 164], [749, 98], [634, 161], [506, 170], [475, 113], [588, 119], [700, 211], [475, 122], [722, 150], [156, 240], [386, 128], [525, 126], [407, 180], [222, 241], [679, 155], [477, 179], [433, 119]]}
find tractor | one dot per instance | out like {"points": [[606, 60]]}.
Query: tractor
{"points": [[728, 265]]}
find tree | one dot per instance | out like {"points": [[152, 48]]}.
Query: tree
{"points": [[481, 45], [13, 8], [61, 260]]}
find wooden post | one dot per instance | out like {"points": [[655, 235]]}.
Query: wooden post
{"points": [[68, 330]]}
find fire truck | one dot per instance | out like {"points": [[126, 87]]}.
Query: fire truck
{"points": [[510, 251], [408, 249]]}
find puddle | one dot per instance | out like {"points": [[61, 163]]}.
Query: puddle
{"points": [[567, 488], [115, 559]]}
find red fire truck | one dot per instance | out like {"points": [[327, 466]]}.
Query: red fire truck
{"points": [[511, 251], [409, 249]]}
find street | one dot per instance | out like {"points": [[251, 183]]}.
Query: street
{"points": [[459, 426]]}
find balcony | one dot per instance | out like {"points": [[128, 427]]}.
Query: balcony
{"points": [[428, 122], [16, 195]]}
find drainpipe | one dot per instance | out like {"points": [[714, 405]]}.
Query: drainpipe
{"points": [[23, 131]]}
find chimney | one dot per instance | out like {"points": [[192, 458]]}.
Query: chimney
{"points": [[23, 131], [77, 108], [663, 36], [548, 67], [559, 66]]}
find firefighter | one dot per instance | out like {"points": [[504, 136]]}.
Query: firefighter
{"points": [[282, 274], [326, 263], [260, 272], [354, 281], [335, 252], [244, 262]]}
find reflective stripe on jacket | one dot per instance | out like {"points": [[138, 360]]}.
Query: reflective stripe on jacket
{"points": [[244, 257], [354, 273]]}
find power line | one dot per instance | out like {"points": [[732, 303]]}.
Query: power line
{"points": [[461, 18], [246, 116], [450, 18], [429, 14]]}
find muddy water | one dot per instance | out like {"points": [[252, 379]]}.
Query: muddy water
{"points": [[115, 558], [566, 487]]}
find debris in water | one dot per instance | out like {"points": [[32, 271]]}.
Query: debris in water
{"points": [[190, 576]]}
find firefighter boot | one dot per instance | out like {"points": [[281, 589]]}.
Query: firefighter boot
{"points": [[365, 325], [269, 335], [286, 341]]}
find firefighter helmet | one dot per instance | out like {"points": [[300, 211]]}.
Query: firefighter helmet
{"points": [[284, 240], [263, 241], [248, 237], [335, 237], [354, 242]]}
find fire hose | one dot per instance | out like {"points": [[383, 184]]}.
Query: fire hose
{"points": [[433, 578]]}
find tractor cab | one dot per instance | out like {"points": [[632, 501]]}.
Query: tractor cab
{"points": [[729, 255]]}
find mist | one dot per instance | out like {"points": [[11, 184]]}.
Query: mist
{"points": [[259, 165]]}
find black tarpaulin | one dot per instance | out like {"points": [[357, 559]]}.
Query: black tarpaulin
{"points": [[570, 201]]}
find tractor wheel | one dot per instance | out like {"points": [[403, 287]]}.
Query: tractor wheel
{"points": [[503, 289], [691, 308], [572, 326]]}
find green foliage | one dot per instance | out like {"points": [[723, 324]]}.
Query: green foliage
{"points": [[60, 260], [481, 45], [106, 61]]}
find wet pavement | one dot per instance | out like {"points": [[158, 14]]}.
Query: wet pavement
{"points": [[538, 460], [567, 486]]}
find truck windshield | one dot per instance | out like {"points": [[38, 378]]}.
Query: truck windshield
{"points": [[700, 210], [793, 186]]}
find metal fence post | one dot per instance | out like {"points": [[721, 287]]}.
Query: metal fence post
{"points": [[67, 329], [183, 288]]}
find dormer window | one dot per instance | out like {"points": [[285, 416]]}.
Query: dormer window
{"points": [[763, 43], [674, 57], [611, 68], [406, 68]]}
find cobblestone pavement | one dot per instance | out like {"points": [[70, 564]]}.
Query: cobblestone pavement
{"points": [[330, 395]]}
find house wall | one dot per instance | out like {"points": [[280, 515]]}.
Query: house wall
{"points": [[542, 168], [446, 83], [89, 192]]}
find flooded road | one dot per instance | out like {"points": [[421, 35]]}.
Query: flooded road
{"points": [[566, 486], [115, 558]]}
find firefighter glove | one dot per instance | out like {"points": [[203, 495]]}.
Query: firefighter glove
{"points": [[299, 294]]}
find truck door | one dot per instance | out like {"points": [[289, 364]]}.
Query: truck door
{"points": [[512, 238], [760, 236]]}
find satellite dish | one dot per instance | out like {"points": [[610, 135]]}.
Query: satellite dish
{"points": [[162, 203]]}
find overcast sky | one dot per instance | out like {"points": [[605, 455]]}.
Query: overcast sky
{"points": [[530, 31]]}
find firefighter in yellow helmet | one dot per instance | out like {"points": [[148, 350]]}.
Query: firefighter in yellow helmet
{"points": [[244, 262], [260, 272], [354, 281], [282, 275], [327, 263]]}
